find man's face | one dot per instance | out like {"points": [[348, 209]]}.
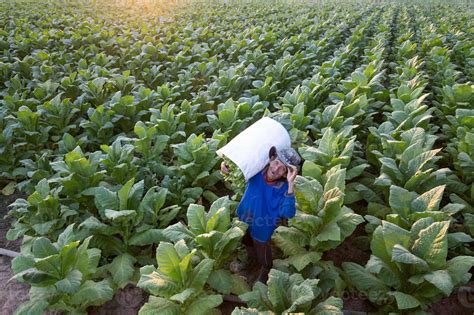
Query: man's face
{"points": [[276, 169]]}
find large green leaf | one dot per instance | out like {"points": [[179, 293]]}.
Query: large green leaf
{"points": [[308, 192], [302, 295], [158, 305], [185, 265], [417, 226], [222, 202], [203, 304], [429, 201], [156, 283], [147, 237], [122, 269], [123, 194], [201, 273], [196, 219], [330, 231], [362, 279], [335, 179], [220, 221], [32, 307], [421, 160], [183, 296], [70, 283], [311, 169], [432, 244], [278, 285], [348, 222], [207, 242], [105, 199], [21, 263], [393, 234], [221, 281], [92, 293], [94, 225], [50, 265], [177, 232], [239, 285], [405, 301], [227, 245], [258, 297], [402, 255], [290, 240], [442, 280], [168, 261], [458, 268], [300, 261], [42, 247], [67, 236], [135, 195], [153, 199], [400, 200]]}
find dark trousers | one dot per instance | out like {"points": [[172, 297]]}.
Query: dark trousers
{"points": [[262, 251]]}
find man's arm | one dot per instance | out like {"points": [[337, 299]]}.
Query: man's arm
{"points": [[291, 188], [288, 206], [292, 172]]}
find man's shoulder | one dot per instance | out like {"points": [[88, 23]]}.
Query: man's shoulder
{"points": [[256, 177]]}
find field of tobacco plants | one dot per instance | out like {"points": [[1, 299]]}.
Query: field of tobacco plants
{"points": [[111, 114]]}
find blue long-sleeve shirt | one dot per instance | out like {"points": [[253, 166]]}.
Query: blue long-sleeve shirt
{"points": [[263, 205]]}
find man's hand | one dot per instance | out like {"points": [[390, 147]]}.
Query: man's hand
{"points": [[224, 168], [292, 172]]}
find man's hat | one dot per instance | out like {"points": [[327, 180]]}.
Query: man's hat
{"points": [[287, 156]]}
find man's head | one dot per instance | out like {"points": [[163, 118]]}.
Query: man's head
{"points": [[279, 162]]}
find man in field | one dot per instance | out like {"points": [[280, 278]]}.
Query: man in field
{"points": [[268, 198]]}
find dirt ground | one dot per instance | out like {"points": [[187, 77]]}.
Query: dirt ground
{"points": [[12, 293], [5, 223], [461, 302], [349, 250]]}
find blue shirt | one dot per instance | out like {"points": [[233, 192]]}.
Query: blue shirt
{"points": [[263, 205]]}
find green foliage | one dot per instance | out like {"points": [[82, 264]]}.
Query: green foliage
{"points": [[128, 218], [194, 169], [212, 232], [41, 214], [177, 286], [322, 222], [77, 172], [61, 275], [285, 293], [409, 265], [461, 149], [331, 150], [119, 162], [233, 117], [409, 161], [407, 207], [235, 177]]}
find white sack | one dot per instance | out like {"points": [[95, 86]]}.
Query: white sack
{"points": [[249, 149]]}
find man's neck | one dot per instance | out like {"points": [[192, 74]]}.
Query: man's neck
{"points": [[268, 181]]}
